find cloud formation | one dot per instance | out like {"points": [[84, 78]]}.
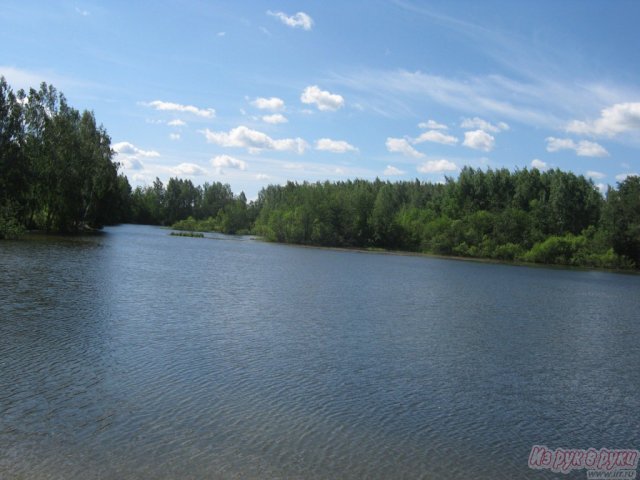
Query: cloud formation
{"points": [[273, 103], [127, 148], [437, 166], [177, 123], [432, 125], [479, 140], [391, 171], [583, 148], [539, 164], [437, 137], [227, 161], [323, 99], [275, 119], [617, 119], [189, 169], [334, 146], [176, 107], [480, 124], [299, 20], [402, 145], [253, 141]]}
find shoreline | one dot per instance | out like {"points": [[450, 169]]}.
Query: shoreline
{"points": [[406, 253]]}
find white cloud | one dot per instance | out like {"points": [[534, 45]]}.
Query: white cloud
{"points": [[480, 124], [402, 145], [479, 140], [539, 164], [391, 171], [437, 166], [129, 149], [273, 103], [176, 107], [275, 118], [174, 136], [591, 149], [253, 141], [335, 146], [602, 187], [321, 98], [594, 174], [299, 20], [222, 34], [622, 176], [437, 137], [131, 163], [262, 176], [189, 169], [583, 148], [619, 118], [432, 125], [177, 123], [84, 13], [227, 161]]}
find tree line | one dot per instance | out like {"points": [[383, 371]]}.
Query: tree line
{"points": [[56, 165], [58, 174]]}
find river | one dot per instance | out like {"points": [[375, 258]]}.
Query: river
{"points": [[134, 354]]}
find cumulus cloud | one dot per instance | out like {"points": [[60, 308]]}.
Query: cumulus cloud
{"points": [[334, 146], [402, 145], [619, 118], [176, 107], [177, 123], [174, 136], [437, 166], [596, 175], [479, 140], [188, 169], [299, 20], [273, 103], [391, 171], [253, 141], [262, 176], [227, 161], [583, 148], [432, 125], [539, 164], [275, 118], [129, 149], [437, 137], [480, 124], [321, 98]]}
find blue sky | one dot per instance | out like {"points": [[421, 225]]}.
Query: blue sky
{"points": [[257, 92]]}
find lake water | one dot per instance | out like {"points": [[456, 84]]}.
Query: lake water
{"points": [[137, 355]]}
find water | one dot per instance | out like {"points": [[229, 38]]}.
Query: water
{"points": [[135, 354]]}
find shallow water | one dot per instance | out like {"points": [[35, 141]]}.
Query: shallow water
{"points": [[134, 354]]}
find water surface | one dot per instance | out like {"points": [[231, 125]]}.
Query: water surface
{"points": [[134, 354]]}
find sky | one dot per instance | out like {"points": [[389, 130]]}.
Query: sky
{"points": [[254, 93]]}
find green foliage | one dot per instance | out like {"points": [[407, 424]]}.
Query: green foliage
{"points": [[622, 218], [10, 227], [56, 168]]}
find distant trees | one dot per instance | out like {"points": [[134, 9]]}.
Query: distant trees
{"points": [[526, 215], [187, 207], [56, 168]]}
